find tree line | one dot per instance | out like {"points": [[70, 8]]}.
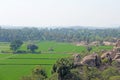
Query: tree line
{"points": [[59, 34]]}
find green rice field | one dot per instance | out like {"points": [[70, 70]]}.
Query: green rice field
{"points": [[14, 66]]}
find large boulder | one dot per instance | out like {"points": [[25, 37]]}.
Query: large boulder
{"points": [[117, 56], [91, 60], [111, 53], [117, 49], [77, 57], [118, 43], [117, 63], [118, 60]]}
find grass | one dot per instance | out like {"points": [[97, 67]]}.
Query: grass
{"points": [[56, 46], [96, 49], [4, 46], [14, 66], [11, 72], [40, 55]]}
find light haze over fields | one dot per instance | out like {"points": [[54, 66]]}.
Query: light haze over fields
{"points": [[99, 13]]}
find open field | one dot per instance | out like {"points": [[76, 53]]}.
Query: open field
{"points": [[4, 46], [63, 47], [57, 47], [14, 66]]}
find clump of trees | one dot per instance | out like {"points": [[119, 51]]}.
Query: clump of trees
{"points": [[15, 45], [63, 70], [32, 47]]}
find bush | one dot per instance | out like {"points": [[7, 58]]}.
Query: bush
{"points": [[111, 71], [91, 73], [115, 64], [62, 68], [54, 77], [104, 61], [38, 73], [115, 78]]}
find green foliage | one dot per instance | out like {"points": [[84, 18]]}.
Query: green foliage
{"points": [[115, 64], [94, 73], [38, 70], [22, 64], [90, 73], [76, 74], [32, 47], [115, 78], [111, 71], [62, 68], [53, 77], [38, 73], [105, 60], [17, 65], [58, 47], [15, 44], [60, 35]]}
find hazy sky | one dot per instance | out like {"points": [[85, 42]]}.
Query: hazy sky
{"points": [[103, 13]]}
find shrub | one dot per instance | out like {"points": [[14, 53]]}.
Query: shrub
{"points": [[111, 71], [115, 78]]}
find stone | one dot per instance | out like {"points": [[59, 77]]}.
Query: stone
{"points": [[118, 43], [117, 56], [91, 60], [77, 57]]}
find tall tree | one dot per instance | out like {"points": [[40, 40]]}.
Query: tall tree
{"points": [[62, 68], [32, 47], [15, 44]]}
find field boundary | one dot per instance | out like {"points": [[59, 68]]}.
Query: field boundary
{"points": [[26, 64], [35, 58]]}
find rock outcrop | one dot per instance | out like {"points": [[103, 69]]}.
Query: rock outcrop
{"points": [[91, 60], [118, 43], [117, 56], [77, 57], [94, 59], [114, 54], [111, 53]]}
